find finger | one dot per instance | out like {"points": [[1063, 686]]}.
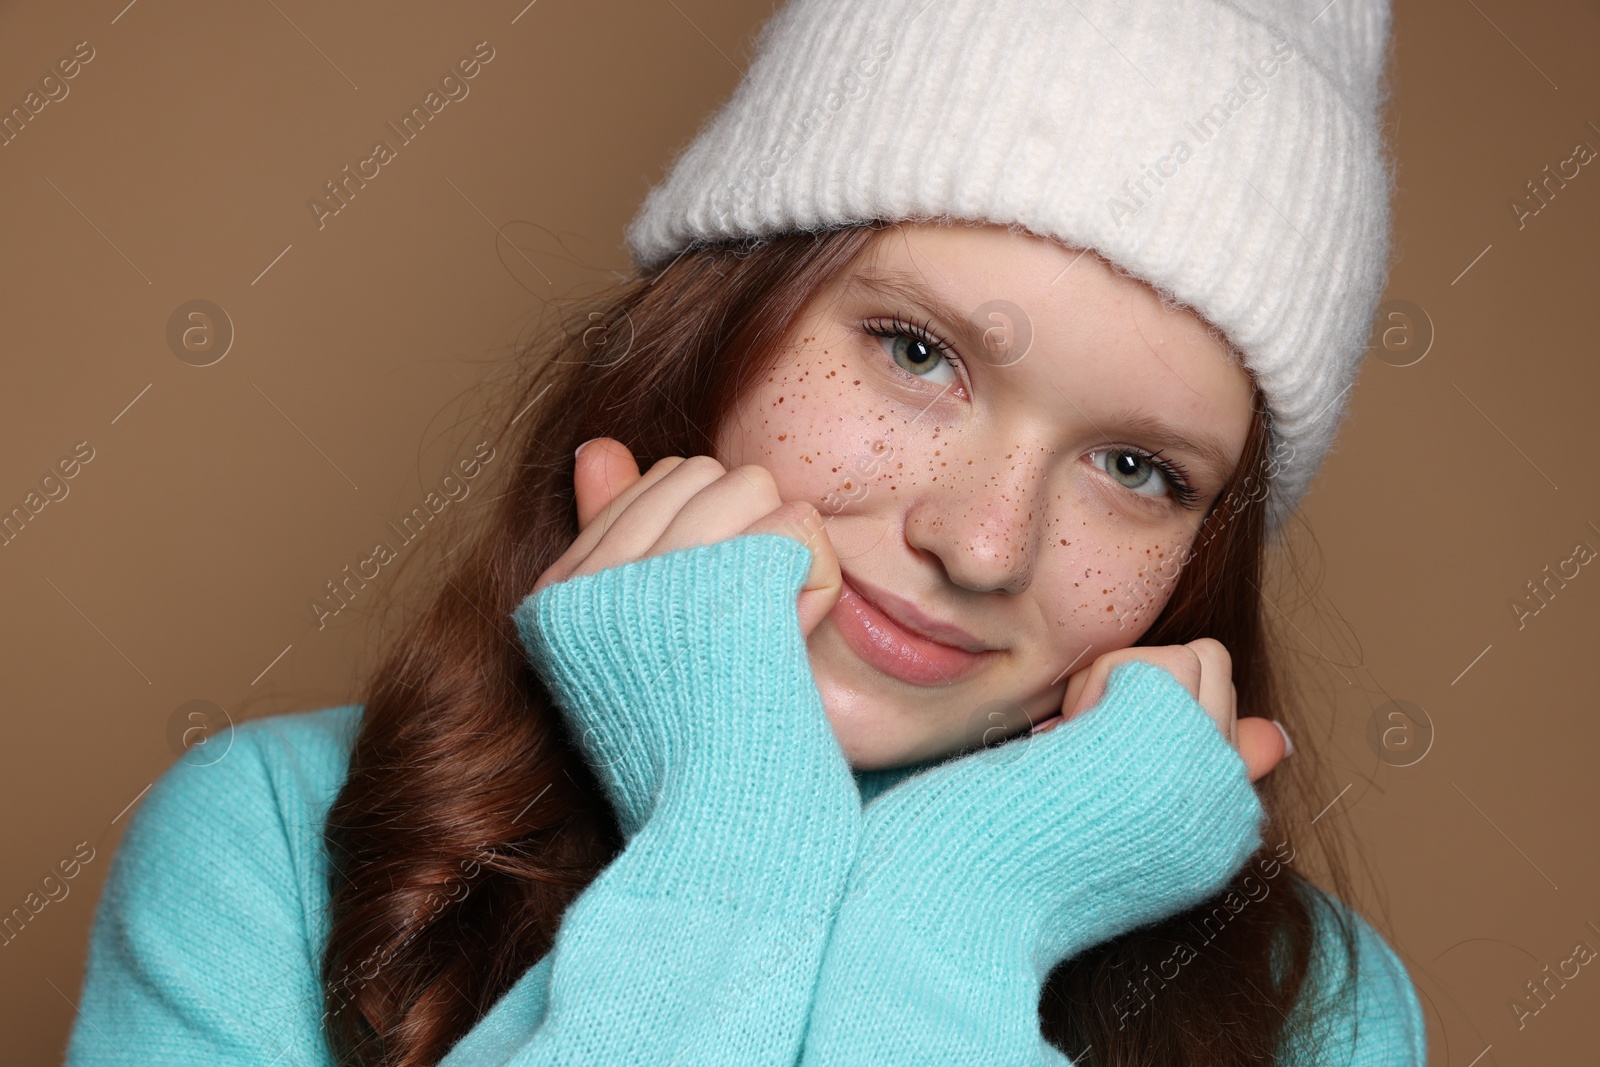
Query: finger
{"points": [[630, 535], [722, 509], [1085, 688], [1261, 746], [601, 471], [745, 500], [1070, 703], [1217, 693], [1177, 660], [823, 584], [590, 535]]}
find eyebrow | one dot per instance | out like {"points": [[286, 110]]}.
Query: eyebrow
{"points": [[901, 285]]}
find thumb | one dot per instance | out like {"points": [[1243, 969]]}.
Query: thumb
{"points": [[802, 521], [1262, 745], [603, 468]]}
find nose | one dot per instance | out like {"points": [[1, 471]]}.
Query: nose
{"points": [[983, 523]]}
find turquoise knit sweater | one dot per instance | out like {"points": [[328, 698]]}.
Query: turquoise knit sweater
{"points": [[771, 907]]}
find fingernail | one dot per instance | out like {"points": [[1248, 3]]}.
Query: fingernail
{"points": [[1288, 745], [579, 450]]}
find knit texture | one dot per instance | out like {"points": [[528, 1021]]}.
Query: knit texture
{"points": [[687, 680], [756, 891], [1227, 152], [1090, 830]]}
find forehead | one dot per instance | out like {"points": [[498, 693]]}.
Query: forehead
{"points": [[1092, 352], [1075, 315], [1051, 282]]}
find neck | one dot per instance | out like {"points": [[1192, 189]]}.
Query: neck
{"points": [[875, 783]]}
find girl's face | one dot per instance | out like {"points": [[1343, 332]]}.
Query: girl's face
{"points": [[973, 412]]}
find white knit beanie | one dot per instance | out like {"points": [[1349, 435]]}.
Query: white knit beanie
{"points": [[1227, 152]]}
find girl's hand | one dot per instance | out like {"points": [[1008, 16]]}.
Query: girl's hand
{"points": [[670, 634], [1205, 669], [681, 503]]}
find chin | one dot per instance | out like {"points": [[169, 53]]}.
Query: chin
{"points": [[862, 736], [875, 730], [871, 737], [874, 740], [872, 757]]}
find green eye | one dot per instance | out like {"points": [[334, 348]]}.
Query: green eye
{"points": [[1138, 470], [916, 350]]}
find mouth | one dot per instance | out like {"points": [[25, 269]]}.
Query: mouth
{"points": [[893, 636]]}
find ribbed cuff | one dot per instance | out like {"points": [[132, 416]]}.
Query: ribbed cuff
{"points": [[1129, 812], [686, 680], [975, 878]]}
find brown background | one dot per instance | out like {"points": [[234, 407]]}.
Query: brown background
{"points": [[221, 498]]}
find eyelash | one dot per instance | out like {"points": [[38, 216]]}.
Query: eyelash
{"points": [[1176, 476], [924, 333], [1184, 494]]}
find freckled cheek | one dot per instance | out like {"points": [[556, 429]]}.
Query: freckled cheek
{"points": [[803, 431], [1105, 596]]}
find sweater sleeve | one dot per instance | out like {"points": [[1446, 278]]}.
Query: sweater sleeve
{"points": [[1359, 1011], [201, 952], [698, 944], [975, 878], [689, 682]]}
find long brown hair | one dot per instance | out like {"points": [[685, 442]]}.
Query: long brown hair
{"points": [[469, 820]]}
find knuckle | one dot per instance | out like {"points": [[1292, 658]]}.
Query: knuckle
{"points": [[703, 466], [758, 476], [757, 472]]}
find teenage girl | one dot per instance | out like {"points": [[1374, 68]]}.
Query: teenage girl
{"points": [[886, 678]]}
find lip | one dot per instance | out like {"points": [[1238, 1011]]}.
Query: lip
{"points": [[892, 635], [911, 619]]}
